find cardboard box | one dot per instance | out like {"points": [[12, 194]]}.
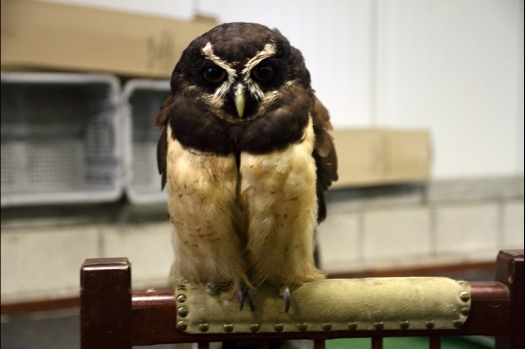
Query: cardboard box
{"points": [[369, 157], [48, 36]]}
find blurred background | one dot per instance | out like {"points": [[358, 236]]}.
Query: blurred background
{"points": [[426, 98]]}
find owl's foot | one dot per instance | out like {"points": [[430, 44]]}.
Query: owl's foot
{"points": [[212, 288], [285, 293], [251, 303], [242, 294]]}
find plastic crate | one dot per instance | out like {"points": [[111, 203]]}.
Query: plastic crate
{"points": [[141, 100], [61, 138]]}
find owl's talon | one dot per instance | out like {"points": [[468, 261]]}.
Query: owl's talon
{"points": [[285, 293], [240, 295], [211, 287], [251, 303]]}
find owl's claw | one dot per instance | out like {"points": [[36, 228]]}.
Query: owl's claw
{"points": [[251, 303], [285, 293], [240, 295], [211, 287]]}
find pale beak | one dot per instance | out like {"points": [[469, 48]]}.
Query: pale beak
{"points": [[239, 98]]}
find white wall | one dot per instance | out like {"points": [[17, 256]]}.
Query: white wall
{"points": [[452, 66]]}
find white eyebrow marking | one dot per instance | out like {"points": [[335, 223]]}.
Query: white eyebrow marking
{"points": [[268, 51], [207, 51]]}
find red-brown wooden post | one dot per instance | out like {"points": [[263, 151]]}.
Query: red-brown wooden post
{"points": [[434, 342], [510, 266], [105, 303], [319, 344], [377, 342]]}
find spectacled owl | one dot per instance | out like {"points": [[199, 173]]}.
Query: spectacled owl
{"points": [[247, 157]]}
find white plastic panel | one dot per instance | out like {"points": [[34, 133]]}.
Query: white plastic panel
{"points": [[60, 138], [141, 100]]}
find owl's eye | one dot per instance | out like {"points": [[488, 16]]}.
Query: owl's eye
{"points": [[264, 73], [214, 74]]}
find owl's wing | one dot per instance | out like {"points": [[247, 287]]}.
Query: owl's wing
{"points": [[161, 121], [324, 154]]}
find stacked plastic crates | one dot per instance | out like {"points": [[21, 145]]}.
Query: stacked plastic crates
{"points": [[141, 101], [62, 138]]}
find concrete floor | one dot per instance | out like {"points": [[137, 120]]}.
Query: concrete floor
{"points": [[45, 330]]}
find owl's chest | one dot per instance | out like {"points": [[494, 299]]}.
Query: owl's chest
{"points": [[197, 180]]}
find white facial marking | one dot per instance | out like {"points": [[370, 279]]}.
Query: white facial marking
{"points": [[268, 51], [207, 51]]}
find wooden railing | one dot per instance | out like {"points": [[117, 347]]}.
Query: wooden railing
{"points": [[114, 316]]}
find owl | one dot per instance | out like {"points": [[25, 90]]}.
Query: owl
{"points": [[246, 155]]}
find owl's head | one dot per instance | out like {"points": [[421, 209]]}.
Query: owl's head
{"points": [[239, 70]]}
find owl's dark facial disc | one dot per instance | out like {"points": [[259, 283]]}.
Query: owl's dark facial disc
{"points": [[235, 83], [239, 87]]}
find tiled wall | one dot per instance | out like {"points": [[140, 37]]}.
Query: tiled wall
{"points": [[443, 222], [386, 227], [44, 262]]}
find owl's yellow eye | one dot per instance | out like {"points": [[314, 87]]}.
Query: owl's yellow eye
{"points": [[263, 73], [214, 74]]}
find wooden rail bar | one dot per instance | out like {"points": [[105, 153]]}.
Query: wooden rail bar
{"points": [[496, 310], [155, 317]]}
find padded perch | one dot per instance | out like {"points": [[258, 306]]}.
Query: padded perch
{"points": [[331, 305]]}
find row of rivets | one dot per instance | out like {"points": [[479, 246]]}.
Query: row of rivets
{"points": [[457, 323], [379, 325], [227, 327], [182, 311], [429, 324], [182, 325], [464, 296]]}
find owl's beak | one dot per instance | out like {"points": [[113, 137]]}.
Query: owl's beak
{"points": [[239, 98]]}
